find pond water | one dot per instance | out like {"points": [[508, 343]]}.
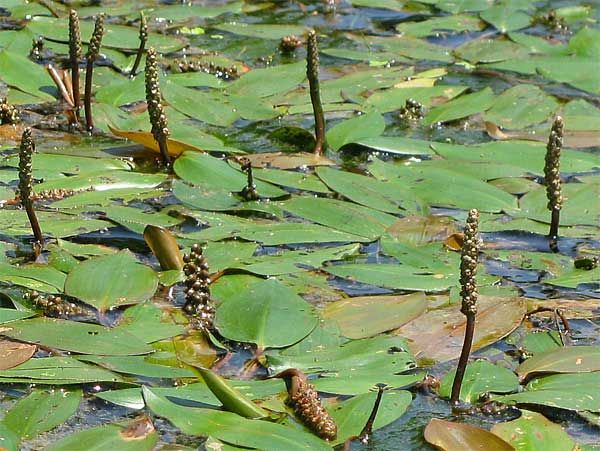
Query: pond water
{"points": [[376, 220]]}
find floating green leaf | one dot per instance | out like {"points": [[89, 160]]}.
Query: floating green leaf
{"points": [[41, 411], [481, 377], [76, 337], [111, 280], [279, 316]]}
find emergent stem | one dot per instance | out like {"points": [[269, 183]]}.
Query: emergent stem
{"points": [[312, 73], [142, 47], [553, 235], [464, 358], [87, 97]]}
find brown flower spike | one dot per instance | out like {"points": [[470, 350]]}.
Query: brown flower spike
{"points": [[156, 110], [312, 72], [197, 295], [249, 192], [92, 54], [75, 53], [552, 179], [8, 113], [25, 186], [305, 400], [468, 272]]}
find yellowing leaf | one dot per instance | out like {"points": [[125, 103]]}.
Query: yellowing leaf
{"points": [[146, 139]]}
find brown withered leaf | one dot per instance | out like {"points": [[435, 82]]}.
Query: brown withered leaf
{"points": [[138, 429], [419, 230], [146, 139], [455, 241], [572, 138], [281, 160], [438, 334], [11, 132], [13, 353], [367, 316], [588, 308], [450, 436]]}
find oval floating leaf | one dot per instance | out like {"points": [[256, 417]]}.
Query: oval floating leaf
{"points": [[366, 316], [111, 280], [41, 411], [572, 359], [76, 337], [533, 431], [481, 377], [264, 312]]}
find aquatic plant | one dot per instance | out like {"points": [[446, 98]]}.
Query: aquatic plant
{"points": [[468, 293], [552, 179], [143, 36], [8, 113], [25, 186], [197, 295], [92, 54], [312, 72], [156, 110], [249, 192], [307, 405], [75, 54]]}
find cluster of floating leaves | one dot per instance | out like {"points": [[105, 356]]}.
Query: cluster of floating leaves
{"points": [[294, 251]]}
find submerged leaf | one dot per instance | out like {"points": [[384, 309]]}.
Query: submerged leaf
{"points": [[439, 333]]}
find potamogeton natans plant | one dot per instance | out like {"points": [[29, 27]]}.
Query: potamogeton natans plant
{"points": [[468, 292], [75, 53], [312, 73], [92, 54], [552, 179], [156, 110], [307, 405], [25, 187]]}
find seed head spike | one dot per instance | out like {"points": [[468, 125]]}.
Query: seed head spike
{"points": [[96, 39], [75, 53], [8, 113], [305, 400], [552, 178], [92, 54], [468, 270], [156, 111], [197, 291], [468, 264], [312, 73]]}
